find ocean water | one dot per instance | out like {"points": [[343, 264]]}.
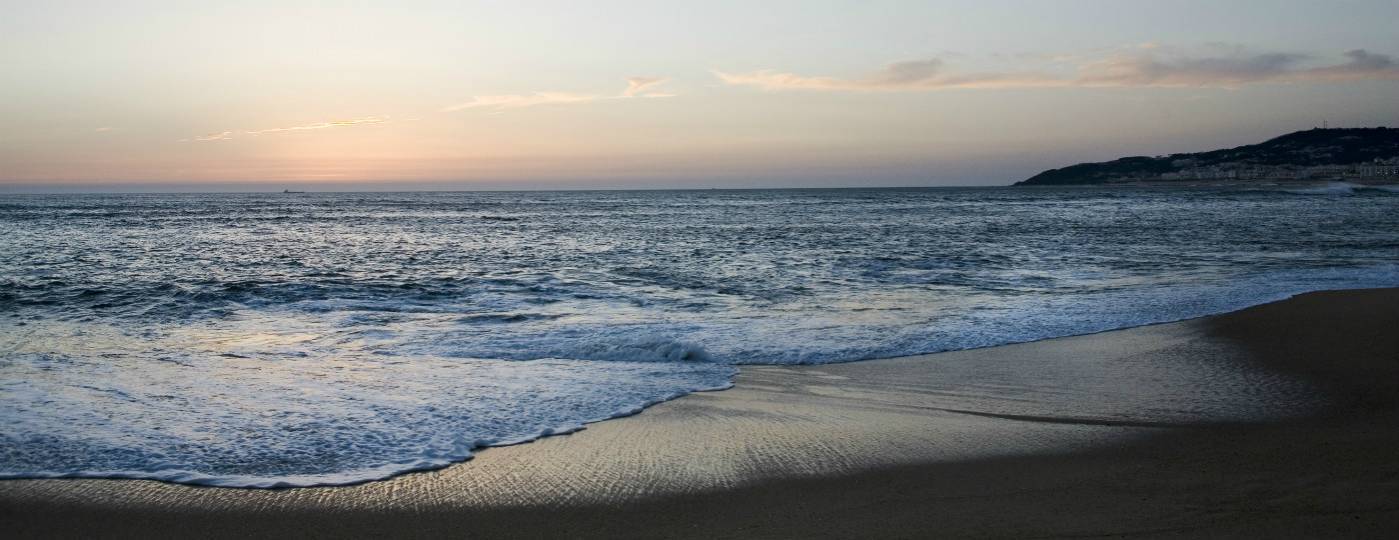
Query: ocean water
{"points": [[265, 340]]}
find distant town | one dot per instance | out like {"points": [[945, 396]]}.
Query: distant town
{"points": [[1378, 170]]}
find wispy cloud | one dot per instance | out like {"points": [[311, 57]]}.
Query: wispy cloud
{"points": [[227, 135], [1362, 64], [516, 101], [1229, 71], [927, 74], [221, 136], [644, 87], [637, 87], [1144, 67], [102, 129], [323, 125], [1151, 70]]}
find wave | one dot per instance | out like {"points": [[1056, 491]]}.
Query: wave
{"points": [[1333, 188], [1342, 188], [460, 451], [312, 292], [335, 418], [643, 349], [506, 318], [812, 338], [313, 422]]}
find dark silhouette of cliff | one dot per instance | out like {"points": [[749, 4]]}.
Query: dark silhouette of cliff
{"points": [[1294, 151]]}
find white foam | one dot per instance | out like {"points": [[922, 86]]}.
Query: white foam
{"points": [[276, 422]]}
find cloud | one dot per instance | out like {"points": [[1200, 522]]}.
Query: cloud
{"points": [[222, 136], [1363, 64], [1148, 70], [101, 129], [929, 74], [643, 86], [1235, 70], [1145, 67], [637, 87], [519, 101], [227, 135], [323, 125]]}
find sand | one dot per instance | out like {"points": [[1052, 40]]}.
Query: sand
{"points": [[887, 449]]}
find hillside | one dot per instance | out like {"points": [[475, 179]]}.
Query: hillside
{"points": [[1356, 153]]}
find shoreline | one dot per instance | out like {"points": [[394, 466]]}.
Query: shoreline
{"points": [[399, 468], [846, 436]]}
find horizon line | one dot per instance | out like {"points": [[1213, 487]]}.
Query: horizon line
{"points": [[4, 192]]}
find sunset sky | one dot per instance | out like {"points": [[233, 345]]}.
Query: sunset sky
{"points": [[119, 95]]}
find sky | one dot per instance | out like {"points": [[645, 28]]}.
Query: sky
{"points": [[269, 95]]}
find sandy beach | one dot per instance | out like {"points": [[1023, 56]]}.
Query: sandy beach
{"points": [[880, 449]]}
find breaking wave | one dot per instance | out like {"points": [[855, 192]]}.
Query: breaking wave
{"points": [[1334, 188]]}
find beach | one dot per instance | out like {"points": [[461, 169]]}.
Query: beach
{"points": [[745, 270], [870, 449]]}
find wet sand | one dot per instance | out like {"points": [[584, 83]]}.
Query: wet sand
{"points": [[883, 449]]}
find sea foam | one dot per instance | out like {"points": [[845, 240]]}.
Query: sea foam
{"points": [[1333, 188]]}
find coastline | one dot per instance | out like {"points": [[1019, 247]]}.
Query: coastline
{"points": [[1260, 184], [861, 449]]}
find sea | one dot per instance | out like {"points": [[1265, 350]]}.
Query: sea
{"points": [[294, 339]]}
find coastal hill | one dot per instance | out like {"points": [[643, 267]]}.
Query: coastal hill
{"points": [[1360, 154]]}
